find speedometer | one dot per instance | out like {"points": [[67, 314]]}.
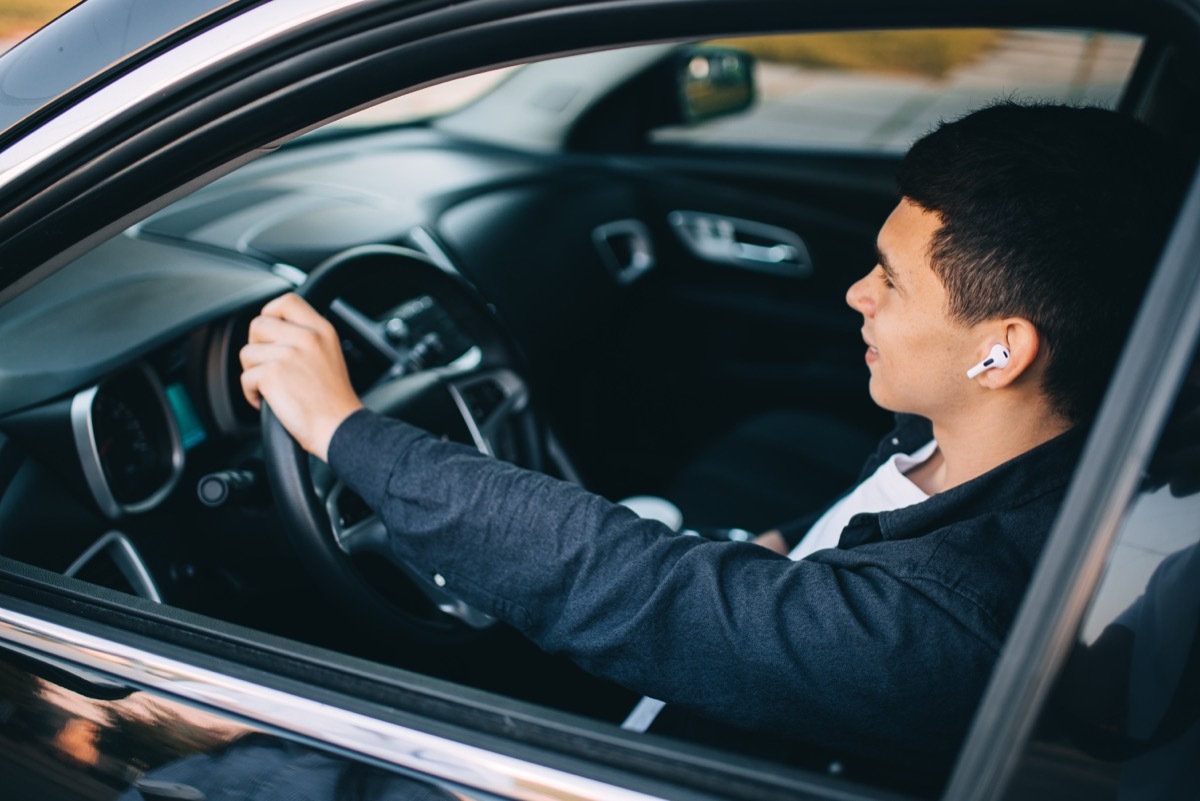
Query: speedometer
{"points": [[128, 441]]}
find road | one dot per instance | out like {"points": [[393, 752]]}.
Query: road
{"points": [[855, 111]]}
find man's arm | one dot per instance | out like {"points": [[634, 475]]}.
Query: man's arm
{"points": [[851, 656]]}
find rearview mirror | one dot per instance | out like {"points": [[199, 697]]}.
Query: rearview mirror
{"points": [[713, 82]]}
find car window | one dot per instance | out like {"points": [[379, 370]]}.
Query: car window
{"points": [[1124, 718], [877, 91]]}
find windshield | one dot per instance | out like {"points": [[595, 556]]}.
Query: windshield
{"points": [[92, 37]]}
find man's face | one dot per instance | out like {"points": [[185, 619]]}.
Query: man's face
{"points": [[918, 356]]}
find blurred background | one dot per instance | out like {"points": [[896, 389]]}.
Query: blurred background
{"points": [[19, 18]]}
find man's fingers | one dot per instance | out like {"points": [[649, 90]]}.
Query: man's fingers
{"points": [[259, 363], [295, 309], [257, 353], [249, 381], [264, 329]]}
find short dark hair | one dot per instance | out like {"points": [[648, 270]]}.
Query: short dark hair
{"points": [[1052, 213]]}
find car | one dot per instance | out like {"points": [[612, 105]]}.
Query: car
{"points": [[609, 241]]}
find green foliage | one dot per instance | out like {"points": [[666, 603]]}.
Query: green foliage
{"points": [[924, 52], [19, 18]]}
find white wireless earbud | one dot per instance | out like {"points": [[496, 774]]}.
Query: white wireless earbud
{"points": [[997, 357]]}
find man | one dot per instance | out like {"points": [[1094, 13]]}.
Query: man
{"points": [[1024, 236]]}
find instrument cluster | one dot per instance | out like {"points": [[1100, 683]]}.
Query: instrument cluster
{"points": [[133, 429], [129, 438]]}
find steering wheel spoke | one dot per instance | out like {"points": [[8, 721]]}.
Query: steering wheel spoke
{"points": [[487, 400], [446, 603], [359, 530], [356, 529], [407, 396]]}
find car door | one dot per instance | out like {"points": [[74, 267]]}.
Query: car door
{"points": [[471, 738]]}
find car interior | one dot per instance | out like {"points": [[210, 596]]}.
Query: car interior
{"points": [[625, 268]]}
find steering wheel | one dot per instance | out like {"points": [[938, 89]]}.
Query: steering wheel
{"points": [[479, 399]]}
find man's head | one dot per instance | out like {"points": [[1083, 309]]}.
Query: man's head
{"points": [[1046, 215]]}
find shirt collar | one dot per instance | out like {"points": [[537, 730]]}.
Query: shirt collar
{"points": [[1041, 470]]}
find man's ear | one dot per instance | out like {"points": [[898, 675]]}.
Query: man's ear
{"points": [[1023, 342]]}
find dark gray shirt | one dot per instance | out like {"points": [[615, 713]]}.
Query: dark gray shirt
{"points": [[879, 647]]}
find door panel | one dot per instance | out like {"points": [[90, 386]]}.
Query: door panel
{"points": [[707, 342]]}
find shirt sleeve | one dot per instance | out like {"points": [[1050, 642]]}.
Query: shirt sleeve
{"points": [[846, 656]]}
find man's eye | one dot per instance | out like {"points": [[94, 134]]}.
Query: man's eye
{"points": [[887, 279]]}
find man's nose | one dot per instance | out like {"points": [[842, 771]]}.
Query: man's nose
{"points": [[859, 297]]}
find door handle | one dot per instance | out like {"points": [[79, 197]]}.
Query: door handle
{"points": [[741, 243], [777, 253]]}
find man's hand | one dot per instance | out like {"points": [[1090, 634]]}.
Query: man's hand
{"points": [[294, 361], [773, 541]]}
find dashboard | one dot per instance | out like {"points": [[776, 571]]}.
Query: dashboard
{"points": [[123, 421], [133, 427]]}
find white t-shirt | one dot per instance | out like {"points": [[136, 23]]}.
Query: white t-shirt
{"points": [[886, 489]]}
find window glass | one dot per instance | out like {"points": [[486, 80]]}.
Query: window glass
{"points": [[1124, 719], [880, 90]]}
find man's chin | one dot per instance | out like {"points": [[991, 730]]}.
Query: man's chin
{"points": [[878, 396], [881, 398]]}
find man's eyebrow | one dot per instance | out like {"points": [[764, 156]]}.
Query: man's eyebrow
{"points": [[882, 261]]}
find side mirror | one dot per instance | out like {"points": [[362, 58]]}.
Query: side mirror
{"points": [[681, 85], [713, 82]]}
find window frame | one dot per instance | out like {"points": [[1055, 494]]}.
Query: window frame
{"points": [[1152, 367]]}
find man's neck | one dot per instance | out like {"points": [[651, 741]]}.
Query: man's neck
{"points": [[972, 444]]}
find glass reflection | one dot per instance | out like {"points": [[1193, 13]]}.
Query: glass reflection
{"points": [[257, 766], [67, 734]]}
